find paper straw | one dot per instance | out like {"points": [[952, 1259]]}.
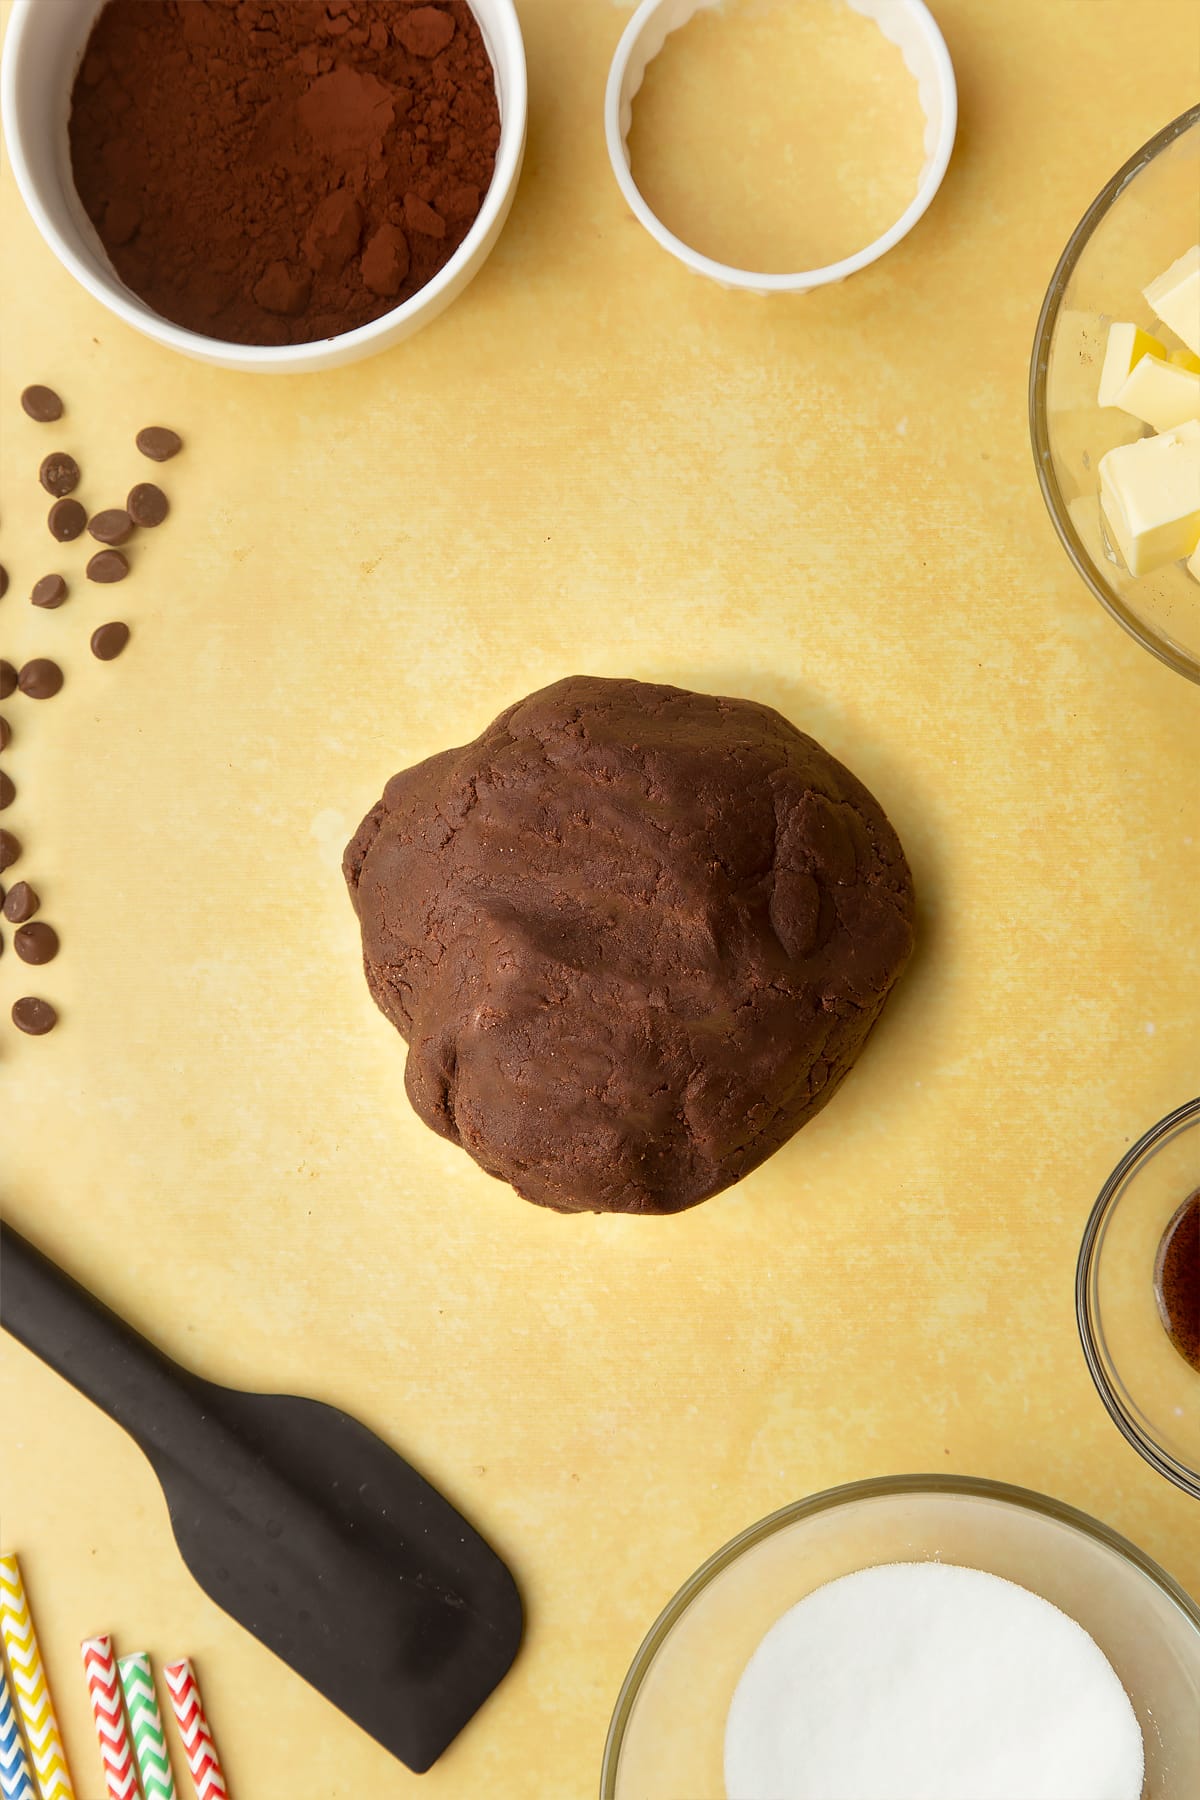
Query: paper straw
{"points": [[16, 1782], [29, 1682], [145, 1722], [116, 1752], [198, 1745]]}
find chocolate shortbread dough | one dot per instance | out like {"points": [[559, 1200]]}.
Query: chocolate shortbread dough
{"points": [[634, 937]]}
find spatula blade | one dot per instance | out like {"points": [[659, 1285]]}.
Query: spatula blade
{"points": [[339, 1557]]}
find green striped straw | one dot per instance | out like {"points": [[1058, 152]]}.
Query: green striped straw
{"points": [[145, 1720]]}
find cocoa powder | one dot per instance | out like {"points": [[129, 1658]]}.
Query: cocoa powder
{"points": [[276, 171]]}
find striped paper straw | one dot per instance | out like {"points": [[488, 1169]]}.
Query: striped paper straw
{"points": [[145, 1722], [29, 1681], [16, 1783], [198, 1745], [116, 1752]]}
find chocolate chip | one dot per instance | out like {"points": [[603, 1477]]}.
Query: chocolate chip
{"points": [[5, 734], [36, 943], [107, 566], [109, 640], [8, 679], [20, 903], [66, 520], [10, 849], [49, 591], [8, 792], [41, 404], [37, 1017], [159, 443], [40, 679], [3, 581], [147, 505], [59, 473], [112, 526]]}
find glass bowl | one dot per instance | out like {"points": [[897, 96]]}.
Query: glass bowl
{"points": [[1145, 218], [667, 1734], [1152, 1393]]}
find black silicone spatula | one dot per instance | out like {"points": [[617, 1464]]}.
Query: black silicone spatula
{"points": [[298, 1521]]}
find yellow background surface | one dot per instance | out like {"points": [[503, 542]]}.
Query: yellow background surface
{"points": [[592, 462]]}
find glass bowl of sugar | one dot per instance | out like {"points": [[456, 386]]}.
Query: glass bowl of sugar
{"points": [[1137, 1296], [1141, 224], [791, 1621]]}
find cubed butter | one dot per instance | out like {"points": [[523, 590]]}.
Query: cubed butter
{"points": [[1183, 359], [1150, 493], [1175, 298], [1193, 563], [1126, 346], [1160, 392]]}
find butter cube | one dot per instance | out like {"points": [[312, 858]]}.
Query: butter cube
{"points": [[1127, 344], [1175, 298], [1161, 392], [1184, 359], [1150, 495], [1193, 563]]}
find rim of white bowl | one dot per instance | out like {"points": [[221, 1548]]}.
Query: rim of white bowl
{"points": [[801, 280], [283, 358]]}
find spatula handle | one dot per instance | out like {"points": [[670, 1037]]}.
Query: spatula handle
{"points": [[98, 1353]]}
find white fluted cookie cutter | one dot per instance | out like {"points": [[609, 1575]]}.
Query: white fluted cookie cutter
{"points": [[908, 24]]}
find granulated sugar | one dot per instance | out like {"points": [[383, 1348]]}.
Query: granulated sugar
{"points": [[924, 1681]]}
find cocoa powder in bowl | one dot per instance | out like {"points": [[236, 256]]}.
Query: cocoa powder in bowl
{"points": [[278, 171]]}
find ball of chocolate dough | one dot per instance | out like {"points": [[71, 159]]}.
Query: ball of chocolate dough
{"points": [[634, 937]]}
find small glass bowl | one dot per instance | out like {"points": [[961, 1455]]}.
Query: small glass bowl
{"points": [[1152, 1392], [1144, 219], [667, 1734]]}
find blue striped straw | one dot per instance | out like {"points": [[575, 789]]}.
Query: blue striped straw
{"points": [[16, 1783]]}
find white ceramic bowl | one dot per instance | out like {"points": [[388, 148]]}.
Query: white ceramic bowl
{"points": [[908, 24], [42, 51]]}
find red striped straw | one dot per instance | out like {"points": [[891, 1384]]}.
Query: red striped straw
{"points": [[198, 1744], [108, 1710]]}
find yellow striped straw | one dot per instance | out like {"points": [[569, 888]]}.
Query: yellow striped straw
{"points": [[29, 1684]]}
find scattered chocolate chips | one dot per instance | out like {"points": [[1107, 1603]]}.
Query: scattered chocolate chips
{"points": [[107, 566], [50, 591], [5, 734], [112, 526], [40, 679], [8, 792], [159, 442], [109, 640], [10, 849], [20, 903], [3, 581], [66, 520], [59, 473], [41, 404], [8, 679], [36, 943], [147, 505], [36, 1017]]}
